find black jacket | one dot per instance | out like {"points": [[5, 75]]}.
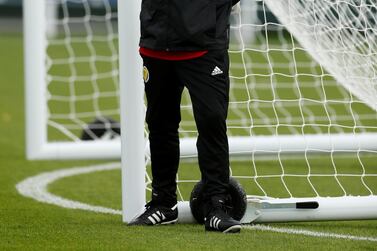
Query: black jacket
{"points": [[185, 25]]}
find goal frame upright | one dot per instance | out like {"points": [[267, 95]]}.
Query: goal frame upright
{"points": [[34, 23], [132, 110]]}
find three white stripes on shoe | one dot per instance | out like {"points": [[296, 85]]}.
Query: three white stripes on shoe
{"points": [[214, 222], [157, 217]]}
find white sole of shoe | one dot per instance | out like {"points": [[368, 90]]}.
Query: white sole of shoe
{"points": [[169, 222], [233, 229]]}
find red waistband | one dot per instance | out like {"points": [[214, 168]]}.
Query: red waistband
{"points": [[171, 55]]}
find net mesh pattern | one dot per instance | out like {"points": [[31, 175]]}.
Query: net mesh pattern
{"points": [[298, 67]]}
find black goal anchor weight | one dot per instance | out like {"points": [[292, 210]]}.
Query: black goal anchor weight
{"points": [[101, 128], [236, 204]]}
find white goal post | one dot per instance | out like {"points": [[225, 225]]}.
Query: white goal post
{"points": [[302, 85]]}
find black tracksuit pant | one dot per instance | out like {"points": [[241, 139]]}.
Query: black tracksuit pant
{"points": [[207, 81]]}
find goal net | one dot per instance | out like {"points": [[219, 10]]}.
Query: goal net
{"points": [[302, 113]]}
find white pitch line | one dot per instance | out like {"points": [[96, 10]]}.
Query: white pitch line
{"points": [[308, 233], [36, 188]]}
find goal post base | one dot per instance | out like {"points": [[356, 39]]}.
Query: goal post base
{"points": [[98, 149], [262, 210], [267, 210], [238, 146]]}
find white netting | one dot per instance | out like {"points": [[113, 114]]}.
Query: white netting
{"points": [[282, 83], [293, 83], [82, 67]]}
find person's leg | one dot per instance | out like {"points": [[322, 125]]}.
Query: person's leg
{"points": [[163, 91], [207, 80]]}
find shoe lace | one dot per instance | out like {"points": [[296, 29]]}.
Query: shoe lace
{"points": [[219, 209], [149, 205], [228, 206], [225, 205]]}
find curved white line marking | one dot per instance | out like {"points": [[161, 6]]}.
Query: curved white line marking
{"points": [[36, 187]]}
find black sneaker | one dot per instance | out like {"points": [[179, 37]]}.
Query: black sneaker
{"points": [[156, 215], [219, 220]]}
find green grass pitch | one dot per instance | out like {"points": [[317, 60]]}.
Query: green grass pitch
{"points": [[29, 225]]}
